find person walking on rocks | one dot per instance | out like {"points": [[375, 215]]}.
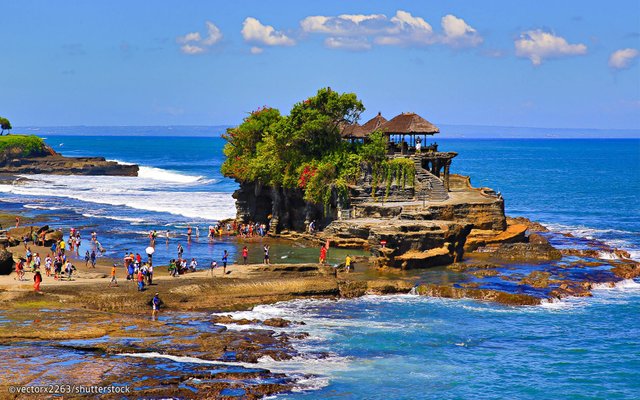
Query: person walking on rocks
{"points": [[155, 305], [347, 263], [37, 279], [114, 281], [140, 281], [225, 257]]}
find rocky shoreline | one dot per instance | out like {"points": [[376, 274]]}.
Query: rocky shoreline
{"points": [[111, 332]]}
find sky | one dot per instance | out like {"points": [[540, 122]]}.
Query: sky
{"points": [[553, 64]]}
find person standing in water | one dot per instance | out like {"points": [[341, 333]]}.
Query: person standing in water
{"points": [[245, 254], [266, 254], [323, 254], [180, 251], [155, 305], [189, 231]]}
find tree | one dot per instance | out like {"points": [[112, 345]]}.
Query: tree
{"points": [[4, 125]]}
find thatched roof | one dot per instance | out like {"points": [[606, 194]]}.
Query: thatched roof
{"points": [[409, 123], [361, 131]]}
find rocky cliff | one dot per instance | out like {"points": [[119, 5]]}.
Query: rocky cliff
{"points": [[60, 165]]}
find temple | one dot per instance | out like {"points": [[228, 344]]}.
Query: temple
{"points": [[406, 136]]}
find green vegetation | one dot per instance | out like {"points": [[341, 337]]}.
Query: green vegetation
{"points": [[304, 149], [5, 125], [22, 145]]}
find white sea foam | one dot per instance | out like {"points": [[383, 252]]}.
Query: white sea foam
{"points": [[114, 217], [164, 175], [597, 234], [159, 195]]}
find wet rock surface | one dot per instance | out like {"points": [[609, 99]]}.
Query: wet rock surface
{"points": [[92, 348]]}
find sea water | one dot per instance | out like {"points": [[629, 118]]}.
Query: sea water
{"points": [[382, 347]]}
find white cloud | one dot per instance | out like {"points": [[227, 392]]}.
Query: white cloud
{"points": [[458, 33], [537, 45], [193, 43], [213, 34], [189, 37], [254, 32], [359, 31], [347, 43], [191, 49], [623, 58], [344, 25], [256, 50]]}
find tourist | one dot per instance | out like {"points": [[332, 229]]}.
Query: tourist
{"points": [[131, 270], [93, 258], [173, 268], [29, 256], [47, 265], [54, 248], [87, 258], [155, 304], [69, 268], [245, 254], [266, 253], [167, 236], [36, 262], [193, 265], [323, 254], [57, 268], [180, 251], [140, 281], [114, 281], [17, 221], [214, 265], [183, 266], [62, 246], [225, 257], [20, 269], [347, 263], [189, 231], [150, 274], [37, 279]]}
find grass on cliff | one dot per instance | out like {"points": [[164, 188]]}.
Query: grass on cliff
{"points": [[23, 145]]}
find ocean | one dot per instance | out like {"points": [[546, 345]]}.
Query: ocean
{"points": [[403, 346]]}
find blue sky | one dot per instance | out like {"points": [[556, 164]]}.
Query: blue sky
{"points": [[561, 64]]}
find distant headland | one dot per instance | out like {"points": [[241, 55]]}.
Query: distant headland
{"points": [[21, 154]]}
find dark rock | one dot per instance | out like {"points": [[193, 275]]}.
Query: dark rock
{"points": [[536, 238], [532, 226], [626, 270], [60, 165], [6, 262], [537, 279], [527, 252], [477, 294]]}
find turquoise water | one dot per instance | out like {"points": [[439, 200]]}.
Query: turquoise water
{"points": [[403, 346]]}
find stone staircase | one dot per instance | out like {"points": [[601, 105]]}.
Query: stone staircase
{"points": [[426, 180]]}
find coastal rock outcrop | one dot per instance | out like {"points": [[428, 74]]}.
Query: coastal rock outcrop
{"points": [[59, 165], [6, 262], [527, 252], [404, 244]]}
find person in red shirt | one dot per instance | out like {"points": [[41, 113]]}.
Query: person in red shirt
{"points": [[323, 254], [245, 254], [37, 279]]}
